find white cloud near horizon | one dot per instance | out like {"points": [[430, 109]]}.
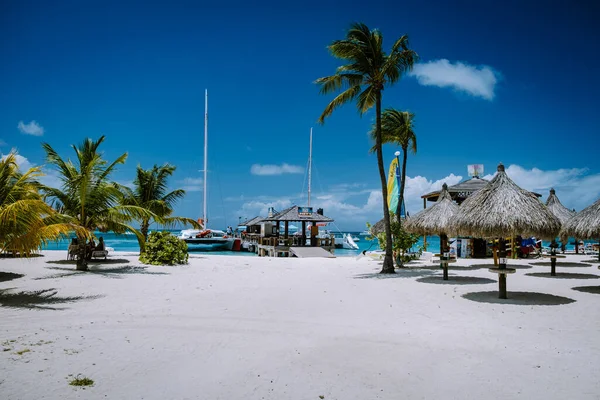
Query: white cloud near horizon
{"points": [[192, 184], [269, 169], [32, 128], [22, 162], [478, 81]]}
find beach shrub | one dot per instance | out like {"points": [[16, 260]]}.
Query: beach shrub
{"points": [[83, 381], [402, 242], [162, 248]]}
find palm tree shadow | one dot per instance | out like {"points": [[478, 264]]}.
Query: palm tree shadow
{"points": [[400, 273], [455, 280], [437, 267], [562, 264], [519, 298], [588, 289], [9, 276], [593, 261], [10, 255], [39, 299], [563, 275], [113, 273]]}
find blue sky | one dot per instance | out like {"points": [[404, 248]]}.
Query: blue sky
{"points": [[507, 82]]}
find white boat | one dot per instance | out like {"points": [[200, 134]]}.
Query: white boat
{"points": [[356, 238], [206, 239], [345, 241], [365, 233]]}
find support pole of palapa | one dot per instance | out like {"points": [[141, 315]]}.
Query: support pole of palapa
{"points": [[501, 267], [444, 254], [553, 247]]}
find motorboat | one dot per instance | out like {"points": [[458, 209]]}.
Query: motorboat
{"points": [[206, 239], [345, 241]]}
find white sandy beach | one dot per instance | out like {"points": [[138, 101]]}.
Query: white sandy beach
{"points": [[226, 327]]}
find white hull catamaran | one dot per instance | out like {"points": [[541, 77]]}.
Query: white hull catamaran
{"points": [[206, 239]]}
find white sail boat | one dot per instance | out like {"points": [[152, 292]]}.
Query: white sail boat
{"points": [[206, 239]]}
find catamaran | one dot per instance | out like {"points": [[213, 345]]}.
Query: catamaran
{"points": [[206, 239]]}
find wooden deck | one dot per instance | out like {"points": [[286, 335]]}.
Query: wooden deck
{"points": [[306, 252]]}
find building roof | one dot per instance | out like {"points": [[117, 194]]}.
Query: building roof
{"points": [[253, 221], [462, 190], [294, 214]]}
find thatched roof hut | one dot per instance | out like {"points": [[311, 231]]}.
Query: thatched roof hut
{"points": [[502, 208], [434, 220], [584, 225], [378, 227], [298, 214], [555, 206]]}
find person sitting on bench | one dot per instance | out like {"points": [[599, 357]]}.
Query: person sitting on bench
{"points": [[100, 246]]}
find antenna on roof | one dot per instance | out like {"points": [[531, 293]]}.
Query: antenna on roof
{"points": [[475, 170]]}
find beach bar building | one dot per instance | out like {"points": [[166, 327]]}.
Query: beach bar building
{"points": [[276, 240]]}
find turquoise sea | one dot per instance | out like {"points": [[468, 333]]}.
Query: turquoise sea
{"points": [[129, 243]]}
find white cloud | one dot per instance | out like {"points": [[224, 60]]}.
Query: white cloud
{"points": [[574, 187], [268, 169], [192, 184], [255, 208], [476, 81], [32, 128], [22, 162]]}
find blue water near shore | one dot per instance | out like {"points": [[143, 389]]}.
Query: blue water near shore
{"points": [[129, 243]]}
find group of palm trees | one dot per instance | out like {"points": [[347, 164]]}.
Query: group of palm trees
{"points": [[368, 71], [32, 214]]}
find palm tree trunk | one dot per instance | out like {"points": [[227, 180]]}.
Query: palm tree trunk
{"points": [[388, 261], [144, 229], [402, 181], [82, 254]]}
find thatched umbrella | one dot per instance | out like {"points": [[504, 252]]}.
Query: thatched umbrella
{"points": [[435, 221], [378, 227], [585, 225], [563, 214], [502, 209]]}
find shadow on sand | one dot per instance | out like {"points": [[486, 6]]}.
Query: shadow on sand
{"points": [[400, 273], [456, 280], [9, 276], [509, 265], [519, 298], [34, 255], [436, 267], [594, 261], [563, 275], [562, 264], [588, 289], [115, 273], [110, 261], [39, 299]]}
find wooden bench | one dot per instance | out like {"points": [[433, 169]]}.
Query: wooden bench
{"points": [[99, 254]]}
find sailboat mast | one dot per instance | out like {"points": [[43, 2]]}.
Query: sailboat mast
{"points": [[309, 165], [204, 215]]}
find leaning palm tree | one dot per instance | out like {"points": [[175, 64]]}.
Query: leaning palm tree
{"points": [[150, 192], [26, 221], [89, 197], [368, 71], [397, 128]]}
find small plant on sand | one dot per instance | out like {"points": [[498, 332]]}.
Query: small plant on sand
{"points": [[81, 381], [162, 248], [402, 242], [21, 352]]}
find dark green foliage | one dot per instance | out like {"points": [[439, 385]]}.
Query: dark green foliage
{"points": [[83, 381], [162, 248], [402, 241]]}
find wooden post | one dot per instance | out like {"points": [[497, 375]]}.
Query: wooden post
{"points": [[553, 246], [424, 203], [443, 258], [502, 265], [303, 234], [286, 229]]}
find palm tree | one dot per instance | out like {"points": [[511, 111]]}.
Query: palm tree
{"points": [[26, 221], [88, 197], [150, 193], [363, 79], [397, 127]]}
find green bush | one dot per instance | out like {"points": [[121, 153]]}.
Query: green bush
{"points": [[162, 248]]}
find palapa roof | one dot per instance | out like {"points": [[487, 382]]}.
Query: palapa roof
{"points": [[378, 227], [253, 221], [555, 206], [462, 190], [502, 208], [435, 219], [292, 214], [584, 225]]}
